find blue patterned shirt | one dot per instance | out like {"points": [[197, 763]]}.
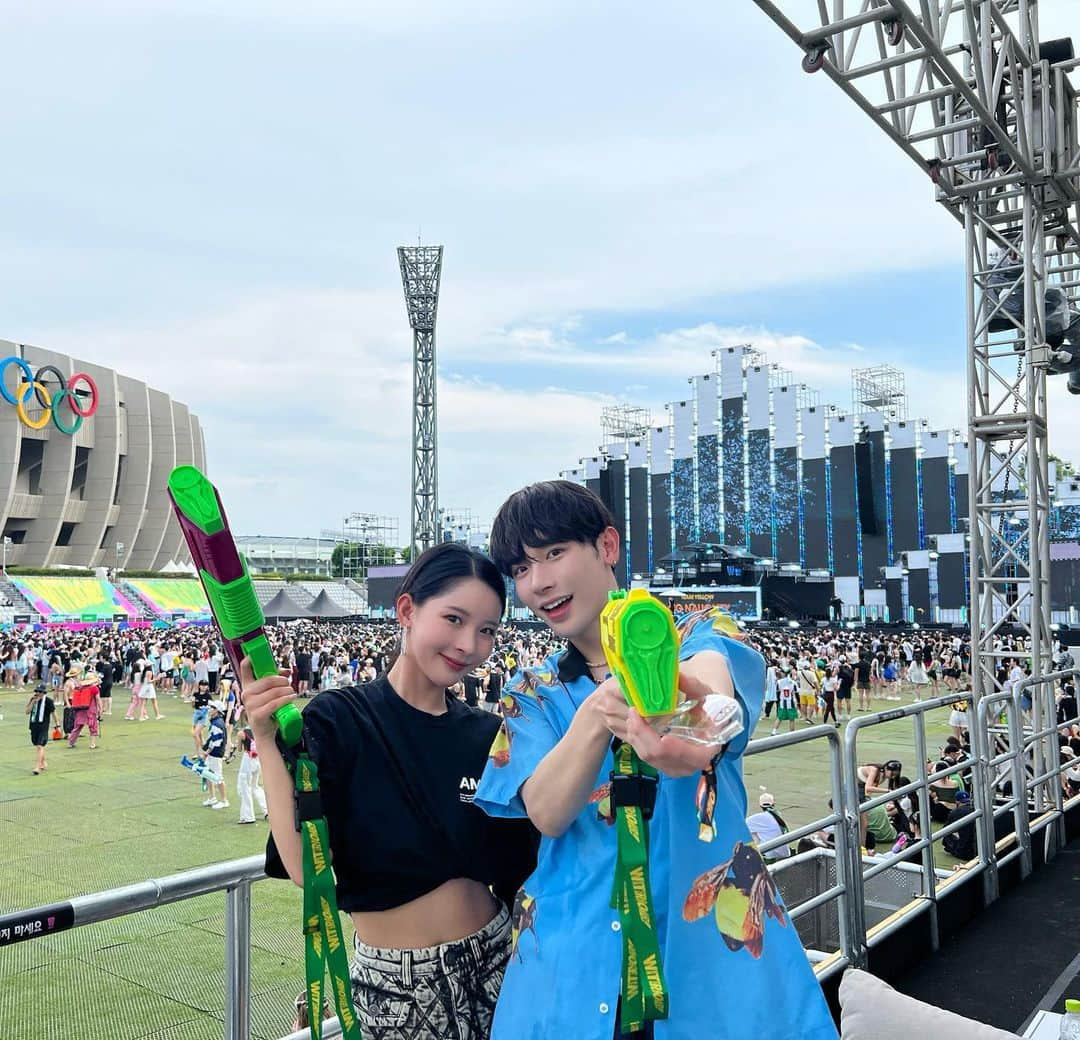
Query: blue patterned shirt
{"points": [[732, 958]]}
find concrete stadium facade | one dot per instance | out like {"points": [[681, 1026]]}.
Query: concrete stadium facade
{"points": [[71, 499]]}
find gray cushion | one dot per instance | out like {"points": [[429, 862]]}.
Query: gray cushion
{"points": [[873, 1010]]}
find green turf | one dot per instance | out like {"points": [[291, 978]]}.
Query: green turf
{"points": [[127, 811]]}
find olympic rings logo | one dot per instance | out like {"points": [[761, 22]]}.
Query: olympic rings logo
{"points": [[50, 396]]}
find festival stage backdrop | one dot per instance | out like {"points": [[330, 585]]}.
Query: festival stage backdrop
{"points": [[710, 521], [936, 484], [786, 476], [960, 484], [759, 463], [682, 504], [660, 496], [845, 532], [638, 525], [741, 601], [733, 449], [904, 481], [814, 489], [873, 509], [613, 492]]}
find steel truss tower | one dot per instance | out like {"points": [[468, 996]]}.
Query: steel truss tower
{"points": [[967, 91], [421, 267]]}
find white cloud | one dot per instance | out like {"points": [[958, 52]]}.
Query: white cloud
{"points": [[228, 235]]}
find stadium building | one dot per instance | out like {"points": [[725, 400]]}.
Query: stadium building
{"points": [[266, 554], [85, 453]]}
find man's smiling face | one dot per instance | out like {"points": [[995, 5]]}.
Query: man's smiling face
{"points": [[566, 583]]}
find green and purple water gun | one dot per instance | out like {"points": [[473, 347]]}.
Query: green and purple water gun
{"points": [[227, 583], [235, 606]]}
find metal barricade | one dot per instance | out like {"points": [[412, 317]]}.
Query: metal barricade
{"points": [[839, 891], [233, 877], [844, 877], [994, 768], [855, 806], [1045, 785]]}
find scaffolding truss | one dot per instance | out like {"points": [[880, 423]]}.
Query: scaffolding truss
{"points": [[624, 422], [880, 388], [968, 91], [462, 525], [367, 540]]}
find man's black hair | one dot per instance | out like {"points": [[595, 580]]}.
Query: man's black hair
{"points": [[544, 513]]}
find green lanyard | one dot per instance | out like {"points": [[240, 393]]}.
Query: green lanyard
{"points": [[644, 991], [324, 942]]}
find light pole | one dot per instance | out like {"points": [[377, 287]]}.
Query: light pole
{"points": [[119, 551], [7, 542]]}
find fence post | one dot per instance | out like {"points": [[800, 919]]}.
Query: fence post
{"points": [[842, 844], [983, 778], [926, 830], [1021, 817], [238, 962], [860, 954]]}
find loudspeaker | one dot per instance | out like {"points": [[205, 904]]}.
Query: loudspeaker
{"points": [[864, 484]]}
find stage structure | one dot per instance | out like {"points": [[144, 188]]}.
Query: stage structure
{"points": [[421, 269], [882, 388], [967, 90], [462, 525], [367, 540]]}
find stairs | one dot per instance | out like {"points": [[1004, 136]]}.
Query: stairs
{"points": [[19, 603], [146, 610]]}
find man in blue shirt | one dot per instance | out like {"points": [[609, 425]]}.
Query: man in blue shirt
{"points": [[732, 958]]}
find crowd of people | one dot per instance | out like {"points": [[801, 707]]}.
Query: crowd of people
{"points": [[434, 871], [811, 675]]}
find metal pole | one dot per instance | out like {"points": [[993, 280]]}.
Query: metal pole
{"points": [[842, 840], [926, 830], [1019, 782], [984, 800], [856, 895], [238, 962]]}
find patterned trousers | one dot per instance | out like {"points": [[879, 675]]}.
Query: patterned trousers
{"points": [[445, 992]]}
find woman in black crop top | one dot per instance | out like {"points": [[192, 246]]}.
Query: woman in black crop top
{"points": [[426, 876]]}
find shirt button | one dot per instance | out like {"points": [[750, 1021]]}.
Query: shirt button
{"points": [[604, 1009], [615, 926]]}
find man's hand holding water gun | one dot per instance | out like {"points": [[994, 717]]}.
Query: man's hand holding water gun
{"points": [[669, 753], [673, 714]]}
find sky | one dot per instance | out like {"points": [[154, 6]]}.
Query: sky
{"points": [[211, 201]]}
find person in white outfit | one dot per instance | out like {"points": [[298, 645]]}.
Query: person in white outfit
{"points": [[249, 779]]}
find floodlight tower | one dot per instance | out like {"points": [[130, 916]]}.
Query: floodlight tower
{"points": [[967, 91], [421, 267]]}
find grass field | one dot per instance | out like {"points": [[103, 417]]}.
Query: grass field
{"points": [[127, 811]]}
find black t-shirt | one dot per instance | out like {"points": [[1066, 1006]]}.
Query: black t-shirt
{"points": [[494, 690], [303, 663], [200, 699], [105, 670], [472, 690], [862, 670], [41, 716], [847, 678], [397, 786]]}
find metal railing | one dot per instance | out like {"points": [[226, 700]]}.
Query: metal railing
{"points": [[840, 892], [1032, 808], [918, 789]]}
